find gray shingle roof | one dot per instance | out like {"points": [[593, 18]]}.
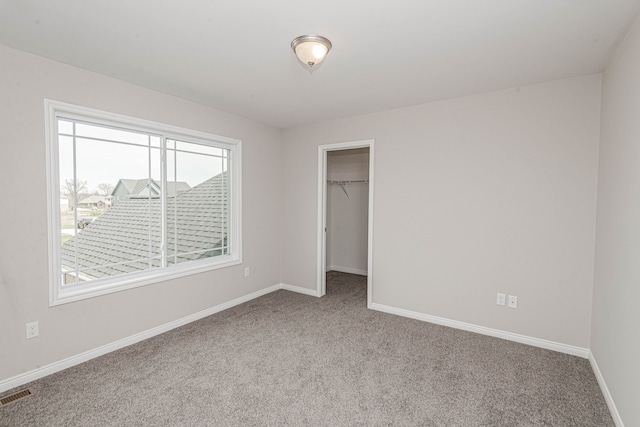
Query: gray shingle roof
{"points": [[173, 187], [127, 235]]}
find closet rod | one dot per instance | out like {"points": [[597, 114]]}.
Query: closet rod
{"points": [[361, 181], [343, 183]]}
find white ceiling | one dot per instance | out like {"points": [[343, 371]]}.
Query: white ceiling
{"points": [[236, 55]]}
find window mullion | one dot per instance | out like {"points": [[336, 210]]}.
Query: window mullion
{"points": [[75, 205], [163, 199], [226, 167], [150, 226], [175, 208]]}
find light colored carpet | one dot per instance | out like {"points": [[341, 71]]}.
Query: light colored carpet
{"points": [[291, 359]]}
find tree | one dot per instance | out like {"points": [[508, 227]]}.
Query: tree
{"points": [[68, 188], [105, 188]]}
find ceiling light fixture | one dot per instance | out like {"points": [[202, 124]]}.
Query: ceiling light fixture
{"points": [[311, 50]]}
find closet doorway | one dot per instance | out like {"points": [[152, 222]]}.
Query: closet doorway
{"points": [[345, 211]]}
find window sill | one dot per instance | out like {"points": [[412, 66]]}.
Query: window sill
{"points": [[78, 292]]}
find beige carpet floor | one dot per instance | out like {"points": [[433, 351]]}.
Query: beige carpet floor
{"points": [[291, 359]]}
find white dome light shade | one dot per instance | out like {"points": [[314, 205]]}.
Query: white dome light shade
{"points": [[311, 50]]}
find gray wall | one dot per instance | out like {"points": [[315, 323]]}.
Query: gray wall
{"points": [[347, 217], [473, 196], [615, 341], [70, 329]]}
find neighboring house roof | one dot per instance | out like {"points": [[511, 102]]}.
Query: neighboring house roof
{"points": [[137, 187], [174, 187], [117, 242], [93, 199], [126, 186]]}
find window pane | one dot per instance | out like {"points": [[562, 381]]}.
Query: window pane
{"points": [[197, 219], [199, 148], [111, 134], [65, 127], [67, 199], [155, 141], [117, 220]]}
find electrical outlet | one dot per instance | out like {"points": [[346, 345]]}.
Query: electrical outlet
{"points": [[32, 330], [501, 299], [246, 272], [513, 301]]}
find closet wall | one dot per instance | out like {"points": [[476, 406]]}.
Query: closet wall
{"points": [[347, 210]]}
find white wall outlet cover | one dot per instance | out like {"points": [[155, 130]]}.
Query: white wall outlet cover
{"points": [[32, 329], [513, 301]]}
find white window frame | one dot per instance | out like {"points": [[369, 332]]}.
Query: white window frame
{"points": [[69, 293]]}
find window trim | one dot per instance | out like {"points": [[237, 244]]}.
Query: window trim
{"points": [[58, 295]]}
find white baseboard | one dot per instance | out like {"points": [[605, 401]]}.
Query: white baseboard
{"points": [[523, 339], [347, 270], [300, 290], [605, 391], [35, 374]]}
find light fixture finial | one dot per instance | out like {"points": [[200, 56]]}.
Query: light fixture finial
{"points": [[311, 50]]}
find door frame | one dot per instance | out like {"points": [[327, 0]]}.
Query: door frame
{"points": [[322, 213]]}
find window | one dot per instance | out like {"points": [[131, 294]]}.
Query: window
{"points": [[133, 202]]}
